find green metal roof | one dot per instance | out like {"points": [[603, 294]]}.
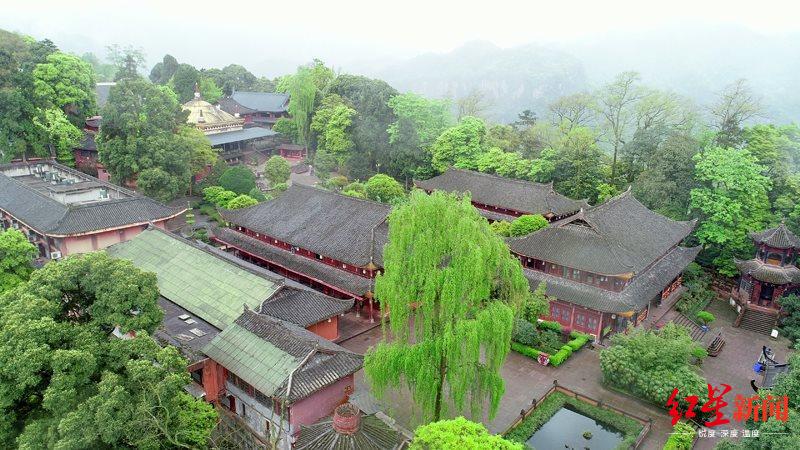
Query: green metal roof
{"points": [[251, 358], [200, 282]]}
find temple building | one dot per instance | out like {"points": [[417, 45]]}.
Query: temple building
{"points": [[85, 153], [257, 344], [763, 280], [326, 240], [261, 109], [64, 211], [499, 198], [606, 265], [225, 131]]}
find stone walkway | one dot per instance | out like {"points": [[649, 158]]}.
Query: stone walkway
{"points": [[525, 380]]}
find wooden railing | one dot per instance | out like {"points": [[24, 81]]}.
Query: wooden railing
{"points": [[647, 423]]}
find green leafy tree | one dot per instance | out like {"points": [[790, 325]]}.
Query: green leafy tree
{"points": [[183, 82], [615, 106], [383, 188], [140, 122], [332, 125], [459, 146], [209, 89], [506, 164], [102, 70], [527, 224], [790, 321], [419, 121], [127, 61], [502, 228], [302, 96], [450, 276], [650, 364], [66, 384], [731, 200], [202, 155], [537, 305], [158, 184], [735, 105], [355, 189], [16, 258], [371, 150], [241, 201], [163, 71], [66, 82], [257, 194], [61, 135], [287, 128], [458, 434], [238, 179], [579, 167], [665, 184], [277, 170]]}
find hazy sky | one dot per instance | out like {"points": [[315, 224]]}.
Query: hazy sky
{"points": [[270, 36]]}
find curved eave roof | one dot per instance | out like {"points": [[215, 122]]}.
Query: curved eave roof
{"points": [[634, 297], [769, 273], [779, 237]]}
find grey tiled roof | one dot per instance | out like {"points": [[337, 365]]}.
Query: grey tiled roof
{"points": [[303, 307], [779, 237], [346, 281], [321, 221], [618, 237], [373, 433], [769, 273], [519, 195], [255, 101], [51, 217], [239, 135], [635, 296]]}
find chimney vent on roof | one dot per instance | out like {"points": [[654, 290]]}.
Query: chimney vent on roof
{"points": [[346, 418]]}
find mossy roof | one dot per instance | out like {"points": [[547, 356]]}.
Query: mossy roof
{"points": [[197, 280]]}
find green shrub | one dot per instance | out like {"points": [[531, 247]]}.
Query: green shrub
{"points": [[527, 224], [560, 356], [525, 350], [548, 341], [705, 317], [577, 343], [502, 228], [336, 183], [700, 353], [681, 438], [257, 194], [549, 325], [524, 332], [238, 179]]}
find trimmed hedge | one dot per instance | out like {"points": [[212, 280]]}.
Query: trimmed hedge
{"points": [[525, 350], [549, 406], [681, 438], [549, 325]]}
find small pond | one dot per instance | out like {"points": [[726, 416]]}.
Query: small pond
{"points": [[565, 431]]}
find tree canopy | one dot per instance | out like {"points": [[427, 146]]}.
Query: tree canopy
{"points": [[383, 188], [458, 434], [446, 272], [66, 383], [238, 179], [277, 170], [16, 258]]}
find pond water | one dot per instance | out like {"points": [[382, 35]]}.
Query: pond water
{"points": [[565, 431]]}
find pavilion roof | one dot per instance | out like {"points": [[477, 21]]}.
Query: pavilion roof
{"points": [[620, 236], [267, 352], [348, 229], [634, 297], [372, 433], [518, 195], [778, 237], [245, 134], [33, 201], [769, 273]]}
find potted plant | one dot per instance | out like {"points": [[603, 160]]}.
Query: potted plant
{"points": [[705, 318]]}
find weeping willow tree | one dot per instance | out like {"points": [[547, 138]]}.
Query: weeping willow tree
{"points": [[452, 289], [302, 92]]}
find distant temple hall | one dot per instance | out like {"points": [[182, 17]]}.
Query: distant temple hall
{"points": [[225, 131], [257, 108]]}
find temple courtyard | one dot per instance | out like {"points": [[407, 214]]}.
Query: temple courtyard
{"points": [[527, 380]]}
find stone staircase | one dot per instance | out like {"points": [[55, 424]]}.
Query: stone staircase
{"points": [[711, 339], [758, 321]]}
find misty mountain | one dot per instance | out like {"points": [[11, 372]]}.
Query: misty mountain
{"points": [[692, 61], [527, 77]]}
